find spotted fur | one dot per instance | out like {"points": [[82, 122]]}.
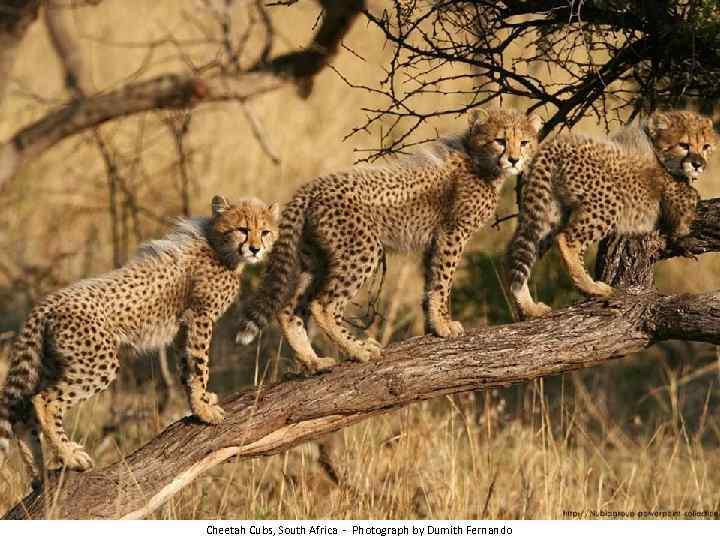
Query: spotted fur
{"points": [[579, 188], [335, 229], [174, 289]]}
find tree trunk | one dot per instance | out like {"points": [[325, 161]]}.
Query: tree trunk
{"points": [[629, 261], [265, 421]]}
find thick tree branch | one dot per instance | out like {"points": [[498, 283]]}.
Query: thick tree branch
{"points": [[629, 261], [269, 420], [338, 17], [176, 91], [164, 92]]}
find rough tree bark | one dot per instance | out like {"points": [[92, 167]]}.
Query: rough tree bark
{"points": [[265, 421]]}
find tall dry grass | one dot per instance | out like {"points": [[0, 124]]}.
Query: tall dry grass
{"points": [[637, 435]]}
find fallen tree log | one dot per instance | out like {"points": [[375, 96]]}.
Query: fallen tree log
{"points": [[265, 421]]}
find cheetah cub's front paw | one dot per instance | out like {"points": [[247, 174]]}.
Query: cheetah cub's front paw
{"points": [[601, 289], [456, 328], [536, 309], [207, 410], [321, 363], [373, 348], [313, 364], [446, 329], [365, 351], [74, 457]]}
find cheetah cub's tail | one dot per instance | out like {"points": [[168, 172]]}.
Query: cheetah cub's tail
{"points": [[533, 223], [281, 272], [22, 380]]}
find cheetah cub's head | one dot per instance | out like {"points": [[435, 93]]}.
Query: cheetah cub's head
{"points": [[501, 141], [242, 233], [683, 141]]}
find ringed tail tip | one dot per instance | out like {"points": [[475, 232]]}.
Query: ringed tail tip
{"points": [[247, 333]]}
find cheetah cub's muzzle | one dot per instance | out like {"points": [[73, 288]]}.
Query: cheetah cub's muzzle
{"points": [[693, 166], [513, 153]]}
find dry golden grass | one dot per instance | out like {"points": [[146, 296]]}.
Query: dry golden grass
{"points": [[527, 453]]}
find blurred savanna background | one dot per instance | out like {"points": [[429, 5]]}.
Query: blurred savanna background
{"points": [[640, 433]]}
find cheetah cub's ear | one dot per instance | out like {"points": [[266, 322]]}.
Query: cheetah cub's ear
{"points": [[275, 211], [477, 117], [219, 205], [535, 122]]}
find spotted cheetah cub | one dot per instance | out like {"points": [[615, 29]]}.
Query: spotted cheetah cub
{"points": [[578, 189], [179, 286], [335, 229]]}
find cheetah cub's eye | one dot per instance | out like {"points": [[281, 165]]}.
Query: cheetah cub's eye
{"points": [[243, 230], [263, 234], [524, 143], [501, 142], [685, 146], [706, 147]]}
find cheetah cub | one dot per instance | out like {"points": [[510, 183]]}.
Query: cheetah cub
{"points": [[579, 188], [179, 286], [335, 229]]}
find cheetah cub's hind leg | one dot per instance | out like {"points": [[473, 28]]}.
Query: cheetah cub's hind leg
{"points": [[528, 307], [538, 224], [95, 352], [521, 291], [346, 274], [572, 243], [50, 411], [292, 322], [329, 318], [573, 255]]}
